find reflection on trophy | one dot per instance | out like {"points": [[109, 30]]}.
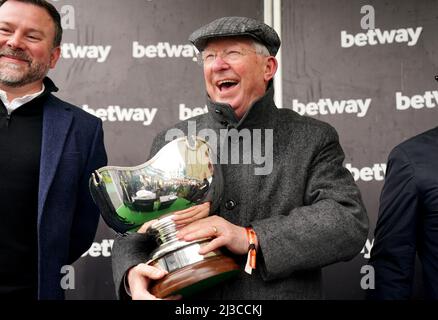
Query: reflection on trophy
{"points": [[182, 174]]}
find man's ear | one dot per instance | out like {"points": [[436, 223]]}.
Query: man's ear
{"points": [[54, 56], [270, 68]]}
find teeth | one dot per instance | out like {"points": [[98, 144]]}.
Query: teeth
{"points": [[226, 81]]}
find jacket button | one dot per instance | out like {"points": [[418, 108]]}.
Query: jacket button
{"points": [[218, 111], [230, 204]]}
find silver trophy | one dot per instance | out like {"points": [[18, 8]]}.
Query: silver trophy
{"points": [[181, 175]]}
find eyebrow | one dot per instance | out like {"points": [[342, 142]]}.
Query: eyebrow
{"points": [[31, 30]]}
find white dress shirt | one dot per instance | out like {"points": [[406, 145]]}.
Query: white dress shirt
{"points": [[18, 102]]}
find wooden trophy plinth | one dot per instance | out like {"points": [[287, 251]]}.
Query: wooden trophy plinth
{"points": [[196, 277]]}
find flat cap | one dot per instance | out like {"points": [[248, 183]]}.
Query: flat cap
{"points": [[234, 27]]}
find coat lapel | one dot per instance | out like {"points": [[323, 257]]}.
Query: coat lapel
{"points": [[57, 119]]}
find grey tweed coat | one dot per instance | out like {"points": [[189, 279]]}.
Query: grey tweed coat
{"points": [[307, 213]]}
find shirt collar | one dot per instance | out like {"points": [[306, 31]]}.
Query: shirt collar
{"points": [[18, 102]]}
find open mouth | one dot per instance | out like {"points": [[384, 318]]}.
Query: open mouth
{"points": [[225, 85]]}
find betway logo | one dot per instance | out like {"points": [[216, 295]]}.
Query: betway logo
{"points": [[328, 106], [186, 113], [100, 249], [376, 172], [366, 250], [428, 100], [116, 113], [376, 36], [72, 51], [163, 50]]}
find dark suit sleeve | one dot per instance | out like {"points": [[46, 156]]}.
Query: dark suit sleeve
{"points": [[129, 250], [393, 252], [86, 215]]}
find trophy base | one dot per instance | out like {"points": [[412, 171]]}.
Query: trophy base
{"points": [[196, 277]]}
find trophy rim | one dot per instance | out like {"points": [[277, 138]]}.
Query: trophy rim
{"points": [[142, 165]]}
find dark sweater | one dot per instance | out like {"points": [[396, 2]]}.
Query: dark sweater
{"points": [[20, 150]]}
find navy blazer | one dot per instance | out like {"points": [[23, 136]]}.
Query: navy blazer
{"points": [[72, 148], [408, 220]]}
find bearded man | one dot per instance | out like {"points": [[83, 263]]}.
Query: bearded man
{"points": [[49, 148]]}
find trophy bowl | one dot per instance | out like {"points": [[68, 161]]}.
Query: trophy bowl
{"points": [[182, 174]]}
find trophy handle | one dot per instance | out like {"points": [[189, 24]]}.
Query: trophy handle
{"points": [[101, 198]]}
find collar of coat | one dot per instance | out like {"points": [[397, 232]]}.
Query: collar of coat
{"points": [[49, 85], [260, 111]]}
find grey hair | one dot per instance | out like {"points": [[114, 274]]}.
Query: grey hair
{"points": [[260, 48]]}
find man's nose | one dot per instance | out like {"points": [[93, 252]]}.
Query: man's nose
{"points": [[15, 41], [219, 64]]}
